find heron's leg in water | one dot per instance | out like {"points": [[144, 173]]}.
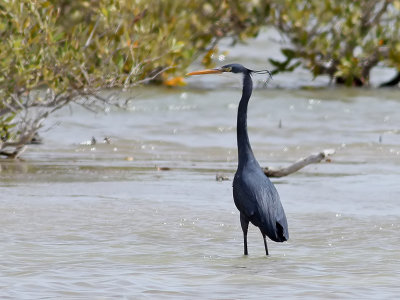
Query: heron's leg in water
{"points": [[245, 225], [265, 243]]}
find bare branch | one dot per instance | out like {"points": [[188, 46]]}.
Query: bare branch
{"points": [[379, 14], [10, 107], [15, 98], [301, 163], [15, 154], [88, 41], [85, 74], [152, 77]]}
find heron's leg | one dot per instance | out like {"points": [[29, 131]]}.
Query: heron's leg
{"points": [[265, 243], [245, 225]]}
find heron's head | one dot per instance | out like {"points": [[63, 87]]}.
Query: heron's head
{"points": [[233, 68]]}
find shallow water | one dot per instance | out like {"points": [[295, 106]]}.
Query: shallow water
{"points": [[144, 217]]}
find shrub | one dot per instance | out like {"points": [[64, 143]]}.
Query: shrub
{"points": [[343, 39], [54, 52]]}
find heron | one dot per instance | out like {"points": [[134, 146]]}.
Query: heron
{"points": [[255, 196]]}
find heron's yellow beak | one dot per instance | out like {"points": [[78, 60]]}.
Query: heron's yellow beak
{"points": [[207, 71]]}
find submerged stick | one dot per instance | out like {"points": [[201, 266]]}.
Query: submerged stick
{"points": [[15, 154], [301, 163]]}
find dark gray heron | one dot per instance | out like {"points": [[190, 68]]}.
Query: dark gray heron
{"points": [[254, 194]]}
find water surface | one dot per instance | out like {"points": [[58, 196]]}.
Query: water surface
{"points": [[144, 217]]}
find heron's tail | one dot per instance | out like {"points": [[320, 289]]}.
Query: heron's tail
{"points": [[280, 233]]}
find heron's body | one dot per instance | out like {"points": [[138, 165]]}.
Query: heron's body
{"points": [[254, 194]]}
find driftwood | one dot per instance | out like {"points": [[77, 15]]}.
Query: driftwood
{"points": [[301, 163], [15, 154]]}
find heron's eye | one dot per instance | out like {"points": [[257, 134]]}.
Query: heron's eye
{"points": [[228, 69]]}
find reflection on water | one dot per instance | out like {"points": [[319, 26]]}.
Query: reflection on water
{"points": [[145, 217]]}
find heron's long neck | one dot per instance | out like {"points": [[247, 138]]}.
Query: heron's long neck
{"points": [[244, 149]]}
